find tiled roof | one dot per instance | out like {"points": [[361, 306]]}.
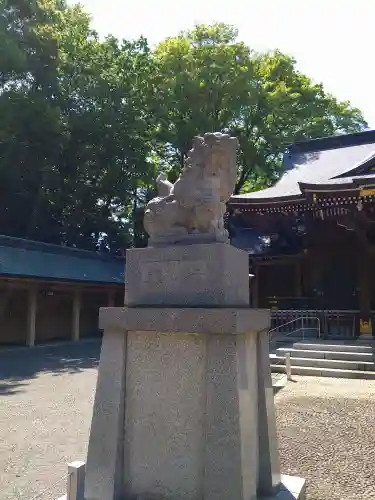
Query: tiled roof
{"points": [[320, 161], [31, 259]]}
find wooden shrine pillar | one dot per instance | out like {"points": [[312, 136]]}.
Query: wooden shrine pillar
{"points": [[111, 298], [298, 278], [364, 283], [31, 316], [77, 299]]}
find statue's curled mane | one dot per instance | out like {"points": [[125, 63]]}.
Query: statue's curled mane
{"points": [[192, 208]]}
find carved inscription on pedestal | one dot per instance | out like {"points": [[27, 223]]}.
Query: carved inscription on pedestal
{"points": [[172, 275]]}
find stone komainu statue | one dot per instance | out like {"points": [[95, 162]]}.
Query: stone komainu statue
{"points": [[192, 209]]}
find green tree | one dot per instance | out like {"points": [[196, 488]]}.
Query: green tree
{"points": [[210, 81], [289, 107], [74, 131], [109, 135], [203, 79], [31, 127]]}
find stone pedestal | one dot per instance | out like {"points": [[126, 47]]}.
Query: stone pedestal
{"points": [[184, 401], [207, 275]]}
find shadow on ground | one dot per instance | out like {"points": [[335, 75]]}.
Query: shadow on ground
{"points": [[276, 389], [17, 367], [280, 383]]}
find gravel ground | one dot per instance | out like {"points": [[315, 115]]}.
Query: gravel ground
{"points": [[326, 433], [326, 426], [46, 397]]}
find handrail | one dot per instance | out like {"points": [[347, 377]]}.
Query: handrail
{"points": [[288, 364], [294, 320], [342, 323], [301, 319]]}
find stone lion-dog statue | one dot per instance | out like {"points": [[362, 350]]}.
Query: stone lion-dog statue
{"points": [[191, 210]]}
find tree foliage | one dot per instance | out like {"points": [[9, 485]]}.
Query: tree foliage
{"points": [[74, 136], [210, 81], [86, 124]]}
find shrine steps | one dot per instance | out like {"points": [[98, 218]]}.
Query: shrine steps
{"points": [[321, 359]]}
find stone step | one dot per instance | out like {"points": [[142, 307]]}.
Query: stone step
{"points": [[326, 372], [324, 363], [289, 340], [337, 346], [320, 354]]}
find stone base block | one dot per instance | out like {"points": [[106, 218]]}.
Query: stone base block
{"points": [[206, 275], [183, 415], [291, 488], [182, 320]]}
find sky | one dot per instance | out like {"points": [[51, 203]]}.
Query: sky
{"points": [[332, 40]]}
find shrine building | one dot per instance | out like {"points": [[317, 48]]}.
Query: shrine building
{"points": [[311, 236], [50, 292]]}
